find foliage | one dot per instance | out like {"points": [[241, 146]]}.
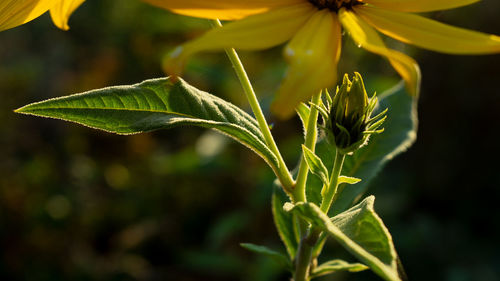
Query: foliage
{"points": [[55, 186], [360, 231], [162, 104], [152, 105]]}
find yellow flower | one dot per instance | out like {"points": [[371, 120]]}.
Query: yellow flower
{"points": [[17, 12], [313, 29]]}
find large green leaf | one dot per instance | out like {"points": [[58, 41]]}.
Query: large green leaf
{"points": [[400, 133], [360, 231], [151, 105]]}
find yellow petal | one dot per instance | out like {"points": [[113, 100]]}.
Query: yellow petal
{"points": [[221, 9], [254, 32], [429, 34], [365, 36], [313, 54], [419, 5], [61, 12], [17, 12]]}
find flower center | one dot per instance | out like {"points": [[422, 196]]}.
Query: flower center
{"points": [[335, 5]]}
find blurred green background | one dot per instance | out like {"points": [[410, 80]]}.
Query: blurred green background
{"points": [[79, 204]]}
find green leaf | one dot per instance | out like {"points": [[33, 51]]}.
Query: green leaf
{"points": [[303, 113], [361, 232], [335, 266], [400, 133], [276, 256], [315, 164], [285, 222], [362, 225], [349, 180], [151, 105]]}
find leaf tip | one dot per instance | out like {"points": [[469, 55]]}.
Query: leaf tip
{"points": [[369, 202], [21, 110], [288, 207], [244, 245], [370, 199], [305, 149]]}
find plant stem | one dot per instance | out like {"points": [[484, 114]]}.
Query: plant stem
{"points": [[304, 255], [307, 248], [299, 193], [281, 171], [334, 182]]}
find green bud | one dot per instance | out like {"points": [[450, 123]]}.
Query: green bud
{"points": [[357, 99], [340, 97], [349, 124]]}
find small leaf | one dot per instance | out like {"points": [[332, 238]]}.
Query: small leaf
{"points": [[152, 105], [360, 231], [335, 266], [303, 113], [349, 180], [315, 165], [321, 109], [328, 97], [284, 222], [276, 256]]}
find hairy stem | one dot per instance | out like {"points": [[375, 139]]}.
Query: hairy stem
{"points": [[310, 142], [308, 248], [281, 171], [299, 193], [331, 189], [305, 255]]}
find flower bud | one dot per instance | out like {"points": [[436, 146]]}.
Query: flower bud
{"points": [[357, 99], [349, 124]]}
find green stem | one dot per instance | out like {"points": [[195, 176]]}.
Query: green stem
{"points": [[281, 171], [299, 193], [331, 189], [319, 245], [308, 248], [305, 255]]}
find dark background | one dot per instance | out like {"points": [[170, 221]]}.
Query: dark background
{"points": [[79, 204]]}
